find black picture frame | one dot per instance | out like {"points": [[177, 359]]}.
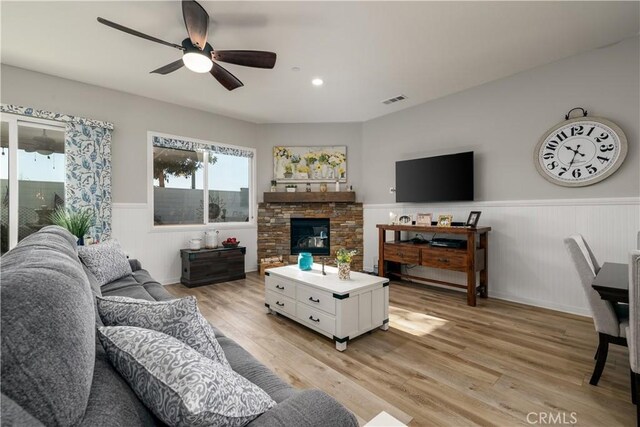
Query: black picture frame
{"points": [[474, 217]]}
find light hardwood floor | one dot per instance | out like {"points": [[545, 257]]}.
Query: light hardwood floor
{"points": [[441, 362]]}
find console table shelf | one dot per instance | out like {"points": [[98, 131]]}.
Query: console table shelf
{"points": [[310, 197], [470, 260]]}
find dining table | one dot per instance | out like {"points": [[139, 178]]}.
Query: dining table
{"points": [[612, 282]]}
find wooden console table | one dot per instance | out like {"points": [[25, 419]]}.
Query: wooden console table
{"points": [[392, 254]]}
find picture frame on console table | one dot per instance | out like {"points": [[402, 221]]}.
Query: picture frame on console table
{"points": [[445, 220], [474, 217], [424, 219]]}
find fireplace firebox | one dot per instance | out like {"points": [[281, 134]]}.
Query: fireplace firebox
{"points": [[310, 235]]}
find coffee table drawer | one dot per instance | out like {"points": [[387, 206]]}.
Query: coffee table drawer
{"points": [[316, 318], [316, 298], [281, 303], [280, 286]]}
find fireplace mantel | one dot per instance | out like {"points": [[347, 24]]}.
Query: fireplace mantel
{"points": [[310, 197]]}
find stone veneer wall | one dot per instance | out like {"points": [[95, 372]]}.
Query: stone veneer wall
{"points": [[274, 228]]}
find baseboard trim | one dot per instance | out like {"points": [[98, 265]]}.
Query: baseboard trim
{"points": [[578, 311], [173, 281], [165, 282]]}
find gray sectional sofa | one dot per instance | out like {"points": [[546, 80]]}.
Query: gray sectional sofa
{"points": [[55, 372]]}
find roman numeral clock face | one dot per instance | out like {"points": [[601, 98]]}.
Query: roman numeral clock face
{"points": [[580, 152]]}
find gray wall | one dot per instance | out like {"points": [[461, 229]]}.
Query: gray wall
{"points": [[132, 117], [502, 121], [310, 134]]}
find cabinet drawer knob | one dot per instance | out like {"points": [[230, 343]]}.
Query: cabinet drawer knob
{"points": [[278, 303], [314, 300], [314, 320], [279, 287], [445, 260]]}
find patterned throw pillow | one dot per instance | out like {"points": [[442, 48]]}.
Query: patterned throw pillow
{"points": [[178, 384], [107, 261], [179, 318]]}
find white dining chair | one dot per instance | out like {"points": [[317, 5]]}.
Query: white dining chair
{"points": [[609, 324]]}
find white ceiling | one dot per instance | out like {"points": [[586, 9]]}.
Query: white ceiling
{"points": [[365, 51]]}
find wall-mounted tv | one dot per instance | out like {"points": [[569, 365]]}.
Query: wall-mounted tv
{"points": [[446, 178]]}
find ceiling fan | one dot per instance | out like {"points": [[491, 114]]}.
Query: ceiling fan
{"points": [[198, 55]]}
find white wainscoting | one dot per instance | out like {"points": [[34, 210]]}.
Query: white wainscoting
{"points": [[527, 259], [159, 250]]}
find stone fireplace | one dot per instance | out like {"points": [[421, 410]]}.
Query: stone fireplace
{"points": [[345, 229]]}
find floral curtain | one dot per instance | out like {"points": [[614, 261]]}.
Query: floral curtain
{"points": [[88, 179], [180, 144], [88, 164]]}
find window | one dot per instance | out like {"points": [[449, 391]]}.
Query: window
{"points": [[229, 188], [194, 180], [177, 186], [32, 176]]}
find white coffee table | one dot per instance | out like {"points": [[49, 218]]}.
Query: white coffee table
{"points": [[338, 309]]}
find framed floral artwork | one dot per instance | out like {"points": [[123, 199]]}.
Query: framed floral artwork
{"points": [[310, 164]]}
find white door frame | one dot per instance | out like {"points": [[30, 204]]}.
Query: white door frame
{"points": [[15, 121]]}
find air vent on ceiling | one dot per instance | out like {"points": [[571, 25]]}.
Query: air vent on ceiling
{"points": [[394, 99]]}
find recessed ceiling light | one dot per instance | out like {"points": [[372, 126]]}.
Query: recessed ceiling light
{"points": [[317, 82]]}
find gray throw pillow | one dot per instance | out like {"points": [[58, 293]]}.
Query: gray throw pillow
{"points": [[178, 384], [107, 261], [179, 318]]}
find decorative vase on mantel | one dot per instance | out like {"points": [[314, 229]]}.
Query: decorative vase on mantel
{"points": [[344, 270]]}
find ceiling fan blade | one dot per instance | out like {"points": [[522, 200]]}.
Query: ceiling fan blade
{"points": [[248, 58], [225, 78], [169, 68], [196, 19], [137, 33]]}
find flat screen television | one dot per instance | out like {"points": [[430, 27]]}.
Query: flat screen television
{"points": [[446, 178]]}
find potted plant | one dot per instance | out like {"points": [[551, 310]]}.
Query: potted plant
{"points": [[274, 185], [291, 188], [288, 171], [77, 222], [343, 259]]}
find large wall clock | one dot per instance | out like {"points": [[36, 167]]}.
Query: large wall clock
{"points": [[580, 151]]}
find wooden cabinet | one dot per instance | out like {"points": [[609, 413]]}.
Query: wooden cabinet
{"points": [[470, 260], [208, 266]]}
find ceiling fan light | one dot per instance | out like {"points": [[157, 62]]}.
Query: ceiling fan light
{"points": [[197, 62]]}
